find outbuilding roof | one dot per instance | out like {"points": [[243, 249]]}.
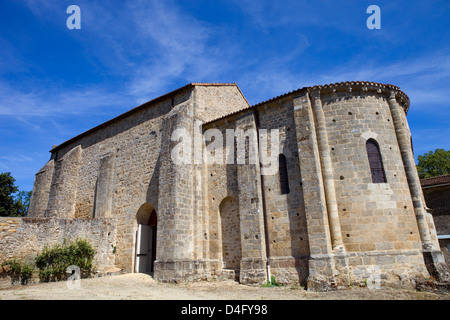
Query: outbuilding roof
{"points": [[435, 181]]}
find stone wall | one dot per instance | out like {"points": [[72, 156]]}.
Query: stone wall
{"points": [[214, 101], [438, 199], [437, 196], [286, 218], [221, 187], [39, 232], [230, 233], [445, 248], [321, 267]]}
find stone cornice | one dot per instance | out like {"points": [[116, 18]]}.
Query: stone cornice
{"points": [[362, 87], [352, 87]]}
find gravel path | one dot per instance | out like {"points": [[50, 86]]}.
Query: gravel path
{"points": [[137, 286]]}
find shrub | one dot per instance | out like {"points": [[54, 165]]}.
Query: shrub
{"points": [[18, 271], [271, 283], [14, 269], [26, 273], [53, 262]]}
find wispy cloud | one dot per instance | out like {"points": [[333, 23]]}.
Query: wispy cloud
{"points": [[41, 8], [151, 46], [19, 163], [10, 59], [179, 45], [53, 102], [266, 14], [424, 78], [16, 157]]}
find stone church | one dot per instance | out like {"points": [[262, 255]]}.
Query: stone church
{"points": [[345, 204]]}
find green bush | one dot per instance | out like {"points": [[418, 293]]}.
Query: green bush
{"points": [[18, 271], [14, 268], [26, 273], [53, 262], [271, 283]]}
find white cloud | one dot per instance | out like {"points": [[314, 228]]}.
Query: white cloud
{"points": [[179, 44], [155, 47], [58, 102], [425, 78], [41, 8]]}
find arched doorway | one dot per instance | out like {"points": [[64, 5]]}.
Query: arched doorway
{"points": [[146, 239], [231, 234]]}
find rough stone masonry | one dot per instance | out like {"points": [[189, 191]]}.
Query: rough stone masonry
{"points": [[345, 206]]}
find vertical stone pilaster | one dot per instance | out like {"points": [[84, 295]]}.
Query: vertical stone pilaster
{"points": [[104, 187], [41, 190], [411, 172], [201, 232], [312, 182], [327, 172], [321, 263], [63, 190], [253, 263], [175, 243], [434, 259]]}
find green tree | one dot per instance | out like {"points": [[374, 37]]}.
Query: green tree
{"points": [[8, 205], [12, 202], [433, 164], [22, 200]]}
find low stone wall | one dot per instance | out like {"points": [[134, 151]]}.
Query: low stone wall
{"points": [[444, 246], [393, 267], [290, 269], [442, 224], [24, 238]]}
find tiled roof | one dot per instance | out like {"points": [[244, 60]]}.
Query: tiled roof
{"points": [[129, 112], [344, 85], [325, 88], [434, 181]]}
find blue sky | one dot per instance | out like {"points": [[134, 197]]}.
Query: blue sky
{"points": [[56, 83]]}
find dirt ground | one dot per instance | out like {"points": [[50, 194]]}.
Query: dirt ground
{"points": [[137, 286]]}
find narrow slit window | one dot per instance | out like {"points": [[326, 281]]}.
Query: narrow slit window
{"points": [[375, 162], [284, 182]]}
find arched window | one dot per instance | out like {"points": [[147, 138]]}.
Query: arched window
{"points": [[375, 162], [284, 181]]}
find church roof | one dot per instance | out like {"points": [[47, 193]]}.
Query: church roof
{"points": [[138, 108]]}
